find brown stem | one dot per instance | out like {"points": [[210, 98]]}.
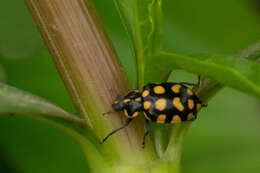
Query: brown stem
{"points": [[88, 65]]}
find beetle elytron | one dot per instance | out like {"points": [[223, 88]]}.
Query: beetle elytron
{"points": [[161, 103]]}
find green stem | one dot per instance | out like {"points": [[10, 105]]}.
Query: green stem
{"points": [[139, 47], [173, 153]]}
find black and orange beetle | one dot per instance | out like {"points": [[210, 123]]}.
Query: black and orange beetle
{"points": [[160, 103]]}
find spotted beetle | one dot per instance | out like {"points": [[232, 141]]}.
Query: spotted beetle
{"points": [[161, 103]]}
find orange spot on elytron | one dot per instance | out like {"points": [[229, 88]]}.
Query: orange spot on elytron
{"points": [[126, 100], [190, 116], [176, 88], [134, 115], [190, 104], [159, 90], [160, 104], [176, 119], [145, 93], [161, 118], [189, 91], [177, 103], [138, 99], [146, 116], [198, 106], [147, 105], [126, 113]]}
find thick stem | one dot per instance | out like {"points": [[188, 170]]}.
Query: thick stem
{"points": [[90, 69]]}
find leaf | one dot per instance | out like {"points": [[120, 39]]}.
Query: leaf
{"points": [[237, 73], [125, 10], [143, 23], [16, 101], [148, 25]]}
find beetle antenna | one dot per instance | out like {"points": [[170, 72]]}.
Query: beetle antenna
{"points": [[116, 130], [106, 113]]}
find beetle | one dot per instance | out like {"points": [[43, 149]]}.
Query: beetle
{"points": [[161, 103]]}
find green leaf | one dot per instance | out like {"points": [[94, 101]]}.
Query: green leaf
{"points": [[148, 26], [143, 24], [237, 73], [125, 10], [15, 101]]}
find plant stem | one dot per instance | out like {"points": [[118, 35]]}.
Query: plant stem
{"points": [[90, 69]]}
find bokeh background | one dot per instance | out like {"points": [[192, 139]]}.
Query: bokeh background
{"points": [[226, 136]]}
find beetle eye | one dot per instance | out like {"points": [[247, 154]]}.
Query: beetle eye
{"points": [[133, 95], [118, 106], [119, 97]]}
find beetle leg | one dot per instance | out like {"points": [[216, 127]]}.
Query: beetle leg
{"points": [[116, 130], [147, 130], [106, 113]]}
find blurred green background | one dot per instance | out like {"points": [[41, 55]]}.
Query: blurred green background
{"points": [[224, 138]]}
